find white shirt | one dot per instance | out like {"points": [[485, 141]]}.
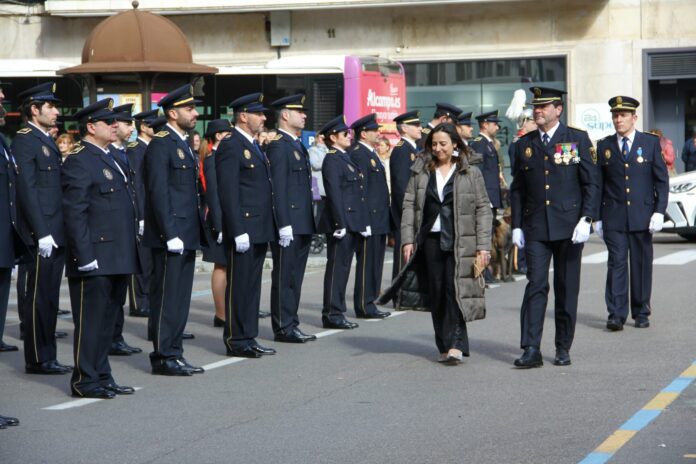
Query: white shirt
{"points": [[246, 136], [441, 182], [549, 133], [411, 142], [107, 152], [181, 136], [144, 141], [631, 136], [292, 136], [39, 129], [487, 137], [366, 145]]}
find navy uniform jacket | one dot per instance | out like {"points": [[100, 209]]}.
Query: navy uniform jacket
{"points": [[213, 218], [634, 189], [172, 202], [377, 196], [246, 190], [11, 246], [490, 168], [548, 198], [40, 209], [292, 183], [402, 158], [101, 220], [345, 194], [136, 158]]}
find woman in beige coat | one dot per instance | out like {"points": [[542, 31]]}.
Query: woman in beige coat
{"points": [[445, 227]]}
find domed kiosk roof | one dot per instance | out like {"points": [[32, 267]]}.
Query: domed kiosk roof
{"points": [[137, 41]]}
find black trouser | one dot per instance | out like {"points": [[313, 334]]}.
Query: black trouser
{"points": [[566, 286], [94, 302], [139, 284], [21, 295], [243, 295], [172, 281], [41, 306], [621, 245], [5, 282], [289, 265], [120, 317], [368, 273], [448, 321], [340, 256]]}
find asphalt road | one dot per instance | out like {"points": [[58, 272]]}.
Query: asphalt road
{"points": [[376, 394]]}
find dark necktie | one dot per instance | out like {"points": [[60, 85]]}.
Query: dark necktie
{"points": [[624, 148], [124, 157], [545, 139], [259, 152]]}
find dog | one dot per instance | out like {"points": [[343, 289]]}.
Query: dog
{"points": [[501, 253]]}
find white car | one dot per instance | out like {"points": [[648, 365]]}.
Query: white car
{"points": [[681, 208]]}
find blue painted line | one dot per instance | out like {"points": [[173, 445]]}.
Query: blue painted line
{"points": [[640, 419], [678, 385], [596, 458]]}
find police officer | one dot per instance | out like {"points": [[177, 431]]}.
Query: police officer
{"points": [[403, 155], [101, 224], [370, 252], [464, 127], [444, 112], [554, 197], [173, 229], [139, 284], [345, 221], [40, 220], [490, 168], [635, 188], [249, 224]]}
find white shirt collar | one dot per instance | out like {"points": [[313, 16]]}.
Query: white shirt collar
{"points": [[292, 136], [144, 141], [246, 136], [630, 136], [39, 129], [550, 132], [411, 142], [486, 137], [105, 150], [122, 147], [181, 136], [366, 146]]}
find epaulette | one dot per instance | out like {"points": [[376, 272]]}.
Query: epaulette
{"points": [[77, 149], [577, 129], [162, 133], [331, 152], [132, 144], [400, 143], [227, 136], [515, 139], [530, 133], [426, 130], [653, 134], [478, 139], [277, 137], [356, 147], [24, 131]]}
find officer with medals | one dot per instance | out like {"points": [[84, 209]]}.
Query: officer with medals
{"points": [[248, 223], [173, 230], [345, 221], [101, 223], [139, 284], [555, 197], [444, 113], [464, 127], [490, 167], [635, 189], [292, 175], [403, 155], [40, 223]]}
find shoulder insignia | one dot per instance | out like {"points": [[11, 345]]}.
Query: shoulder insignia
{"points": [[227, 136], [132, 144], [331, 152], [26, 130], [576, 128], [426, 130], [478, 139], [400, 143], [77, 149], [593, 153], [162, 133], [650, 133], [277, 137]]}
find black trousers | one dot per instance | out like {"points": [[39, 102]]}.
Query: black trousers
{"points": [[448, 321], [368, 273], [288, 272], [243, 295], [120, 316], [340, 257], [5, 283], [94, 301], [566, 286], [172, 281], [139, 284], [41, 306], [638, 246], [21, 295]]}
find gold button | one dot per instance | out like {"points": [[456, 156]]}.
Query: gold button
{"points": [[246, 214], [546, 172], [49, 168], [628, 190], [526, 168], [548, 202], [626, 164], [547, 187], [626, 177], [546, 158], [628, 202], [112, 190], [101, 238], [251, 165]]}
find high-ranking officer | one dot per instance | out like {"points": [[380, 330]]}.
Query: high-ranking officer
{"points": [[345, 221], [139, 284], [490, 168], [402, 157], [173, 229], [554, 196], [292, 178], [101, 223], [40, 220], [248, 222], [444, 113], [635, 188]]}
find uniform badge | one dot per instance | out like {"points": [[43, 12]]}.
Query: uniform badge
{"points": [[557, 158], [45, 150], [607, 153], [593, 153], [373, 163], [297, 156], [247, 154], [108, 174], [413, 156], [640, 158], [351, 168], [528, 152], [180, 152], [251, 165]]}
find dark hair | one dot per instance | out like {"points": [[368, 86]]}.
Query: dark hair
{"points": [[459, 145], [82, 129], [26, 109]]}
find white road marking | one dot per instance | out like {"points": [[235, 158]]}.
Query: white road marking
{"points": [[676, 259], [222, 363], [326, 333], [77, 403], [596, 258]]}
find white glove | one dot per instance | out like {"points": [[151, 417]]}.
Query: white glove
{"points": [[285, 236], [175, 245], [656, 222], [46, 246], [581, 234], [367, 232], [340, 233], [88, 267], [219, 238], [518, 238], [141, 227], [598, 229], [241, 243]]}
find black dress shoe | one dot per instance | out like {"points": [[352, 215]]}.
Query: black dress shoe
{"points": [[98, 392], [64, 366], [63, 312], [11, 421], [642, 323], [5, 347], [614, 324], [47, 368], [139, 312], [119, 349], [243, 352], [119, 389], [309, 337], [376, 314], [133, 349], [530, 358], [338, 324], [187, 336], [294, 336], [217, 322], [172, 367], [193, 369], [262, 350], [264, 314], [562, 357], [61, 334]]}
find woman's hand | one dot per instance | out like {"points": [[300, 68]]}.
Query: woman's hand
{"points": [[407, 251], [485, 256]]}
